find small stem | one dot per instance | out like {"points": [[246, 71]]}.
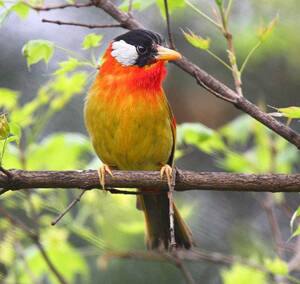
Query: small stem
{"points": [[203, 14], [228, 10], [219, 59], [169, 25], [72, 204], [93, 57], [75, 54], [130, 8], [235, 73], [3, 151], [292, 279], [249, 55]]}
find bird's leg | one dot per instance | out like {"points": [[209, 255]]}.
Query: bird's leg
{"points": [[166, 170], [101, 173]]}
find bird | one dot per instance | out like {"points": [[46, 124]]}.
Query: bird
{"points": [[132, 127]]}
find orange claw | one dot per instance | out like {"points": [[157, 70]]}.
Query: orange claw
{"points": [[101, 173], [166, 170]]}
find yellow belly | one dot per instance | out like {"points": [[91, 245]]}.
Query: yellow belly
{"points": [[131, 132]]}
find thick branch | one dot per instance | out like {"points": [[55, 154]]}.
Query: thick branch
{"points": [[185, 180]]}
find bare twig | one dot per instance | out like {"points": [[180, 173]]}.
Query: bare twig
{"points": [[180, 255], [81, 24], [30, 273], [63, 6], [187, 180], [6, 172], [51, 266], [267, 205], [187, 275], [172, 45], [72, 204], [293, 264], [171, 209], [130, 8]]}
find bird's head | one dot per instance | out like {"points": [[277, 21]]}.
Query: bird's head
{"points": [[135, 60], [141, 48]]}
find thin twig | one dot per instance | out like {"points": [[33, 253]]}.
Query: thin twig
{"points": [[130, 8], [63, 6], [21, 254], [228, 37], [81, 24], [188, 3], [59, 277], [267, 205], [6, 172], [187, 275], [71, 205], [171, 209], [172, 45], [111, 190]]}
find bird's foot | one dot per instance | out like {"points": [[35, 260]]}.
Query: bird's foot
{"points": [[101, 173], [166, 170]]}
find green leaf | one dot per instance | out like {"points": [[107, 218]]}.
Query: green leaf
{"points": [[197, 41], [91, 40], [290, 112], [47, 154], [8, 98], [242, 274], [263, 32], [276, 266], [15, 130], [235, 162], [1, 3], [3, 16], [219, 2], [137, 4], [70, 84], [296, 233], [172, 5], [294, 217], [21, 9], [201, 136], [238, 130], [36, 50], [67, 66]]}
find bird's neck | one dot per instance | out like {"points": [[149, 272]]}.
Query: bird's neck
{"points": [[130, 78]]}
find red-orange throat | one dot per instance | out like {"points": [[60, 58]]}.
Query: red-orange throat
{"points": [[114, 75]]}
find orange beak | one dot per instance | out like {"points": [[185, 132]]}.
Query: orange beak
{"points": [[166, 54]]}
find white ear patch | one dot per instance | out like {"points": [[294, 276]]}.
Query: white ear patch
{"points": [[124, 53]]}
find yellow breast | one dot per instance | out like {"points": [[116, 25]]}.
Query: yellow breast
{"points": [[131, 131]]}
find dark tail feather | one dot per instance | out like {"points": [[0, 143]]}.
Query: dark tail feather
{"points": [[156, 212]]}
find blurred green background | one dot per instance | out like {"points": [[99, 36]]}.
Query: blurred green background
{"points": [[212, 134]]}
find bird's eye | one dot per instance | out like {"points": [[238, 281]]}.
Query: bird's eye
{"points": [[141, 49]]}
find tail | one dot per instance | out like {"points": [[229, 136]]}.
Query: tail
{"points": [[156, 212]]}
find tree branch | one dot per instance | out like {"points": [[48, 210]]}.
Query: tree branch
{"points": [[185, 180], [63, 6], [81, 24]]}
